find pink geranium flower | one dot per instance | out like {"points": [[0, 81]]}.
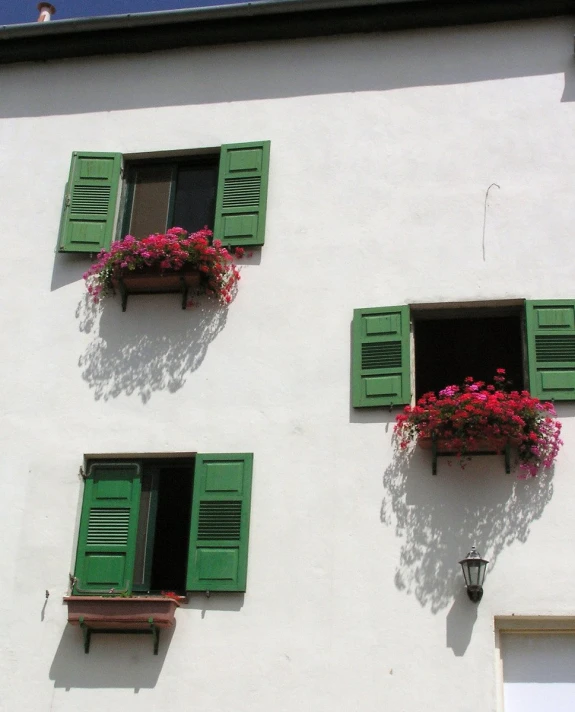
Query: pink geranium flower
{"points": [[477, 412], [171, 251]]}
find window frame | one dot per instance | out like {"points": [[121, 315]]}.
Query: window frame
{"points": [[172, 159]]}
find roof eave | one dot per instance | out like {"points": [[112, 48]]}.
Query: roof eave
{"points": [[248, 22]]}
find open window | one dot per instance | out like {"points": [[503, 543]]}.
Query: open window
{"points": [[451, 344], [431, 346], [154, 524], [109, 195], [161, 194]]}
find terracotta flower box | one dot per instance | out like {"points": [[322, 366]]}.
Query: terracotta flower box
{"points": [[153, 280], [136, 614], [128, 613]]}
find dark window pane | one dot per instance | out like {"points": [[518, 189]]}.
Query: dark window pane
{"points": [[172, 529], [195, 202], [151, 200], [449, 350]]}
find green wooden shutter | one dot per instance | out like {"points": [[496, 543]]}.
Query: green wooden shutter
{"points": [[108, 527], [380, 357], [90, 202], [218, 555], [242, 194], [551, 348]]}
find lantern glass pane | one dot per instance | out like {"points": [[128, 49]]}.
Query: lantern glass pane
{"points": [[482, 570], [474, 573]]}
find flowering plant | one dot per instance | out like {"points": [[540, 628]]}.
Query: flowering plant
{"points": [[474, 412], [169, 252], [172, 594]]}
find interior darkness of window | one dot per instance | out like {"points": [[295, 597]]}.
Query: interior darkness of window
{"points": [[164, 195], [195, 203], [172, 530], [447, 350]]}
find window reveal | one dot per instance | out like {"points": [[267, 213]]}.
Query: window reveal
{"points": [[450, 348]]}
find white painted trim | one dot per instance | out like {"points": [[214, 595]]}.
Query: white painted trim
{"points": [[522, 625]]}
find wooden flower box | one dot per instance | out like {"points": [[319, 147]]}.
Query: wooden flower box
{"points": [[111, 614], [153, 280]]}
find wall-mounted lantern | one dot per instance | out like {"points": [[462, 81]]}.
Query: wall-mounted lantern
{"points": [[474, 572]]}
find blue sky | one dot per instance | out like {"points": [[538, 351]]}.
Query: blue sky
{"points": [[16, 11]]}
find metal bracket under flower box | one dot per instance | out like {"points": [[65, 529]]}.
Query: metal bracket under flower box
{"points": [[484, 448], [87, 631], [151, 280]]}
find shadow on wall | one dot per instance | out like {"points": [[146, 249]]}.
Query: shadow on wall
{"points": [[216, 601], [440, 518], [68, 268], [125, 660], [460, 620], [296, 68], [132, 353], [120, 661]]}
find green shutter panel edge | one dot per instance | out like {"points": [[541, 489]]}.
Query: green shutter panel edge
{"points": [[108, 529], [550, 329], [219, 529], [381, 373], [90, 202], [242, 194]]}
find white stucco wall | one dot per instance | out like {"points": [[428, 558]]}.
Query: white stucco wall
{"points": [[383, 147]]}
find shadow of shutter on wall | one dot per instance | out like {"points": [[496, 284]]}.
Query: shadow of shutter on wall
{"points": [[108, 526], [90, 202], [380, 357], [242, 194], [219, 531], [551, 348]]}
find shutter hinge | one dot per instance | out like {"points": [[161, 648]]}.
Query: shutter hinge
{"points": [[67, 201], [82, 474]]}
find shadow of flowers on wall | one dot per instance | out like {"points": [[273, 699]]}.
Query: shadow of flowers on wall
{"points": [[439, 518], [134, 353]]}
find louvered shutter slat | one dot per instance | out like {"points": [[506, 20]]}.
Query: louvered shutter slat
{"points": [[242, 194], [380, 357], [90, 202], [551, 348], [219, 529], [108, 526]]}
